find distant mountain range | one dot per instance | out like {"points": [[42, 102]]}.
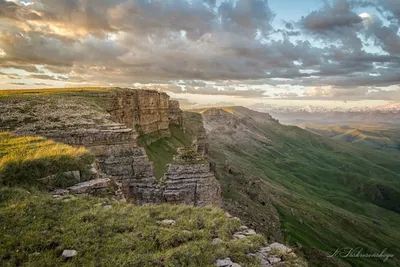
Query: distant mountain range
{"points": [[386, 114], [388, 108]]}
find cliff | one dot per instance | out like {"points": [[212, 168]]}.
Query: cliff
{"points": [[110, 124]]}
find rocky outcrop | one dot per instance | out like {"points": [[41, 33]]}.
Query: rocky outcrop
{"points": [[192, 121], [144, 110], [274, 254], [175, 113], [109, 123], [190, 180], [104, 187]]}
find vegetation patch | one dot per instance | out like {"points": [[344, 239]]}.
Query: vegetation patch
{"points": [[24, 160], [324, 194], [36, 229], [162, 151]]}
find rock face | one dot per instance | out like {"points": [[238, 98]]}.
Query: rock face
{"points": [[189, 180], [108, 123], [148, 110], [175, 113], [194, 122]]}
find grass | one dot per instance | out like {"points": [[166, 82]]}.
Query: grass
{"points": [[310, 191], [35, 229], [382, 137], [31, 92], [26, 159], [162, 151]]}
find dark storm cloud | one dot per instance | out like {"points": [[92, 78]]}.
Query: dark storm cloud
{"points": [[331, 18]]}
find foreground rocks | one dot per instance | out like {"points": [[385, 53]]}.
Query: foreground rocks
{"points": [[274, 254], [69, 253], [105, 187]]}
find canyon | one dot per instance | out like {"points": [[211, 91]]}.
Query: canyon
{"points": [[110, 123]]}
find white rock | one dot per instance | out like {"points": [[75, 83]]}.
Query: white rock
{"points": [[250, 232], [265, 249], [235, 265], [274, 259], [264, 263], [107, 207], [279, 247], [89, 185], [69, 253], [93, 170], [168, 222], [224, 263], [59, 192], [239, 236]]}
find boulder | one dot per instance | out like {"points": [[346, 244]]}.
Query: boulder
{"points": [[168, 222], [69, 253], [279, 247], [91, 186]]}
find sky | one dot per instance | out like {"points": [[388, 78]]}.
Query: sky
{"points": [[281, 52]]}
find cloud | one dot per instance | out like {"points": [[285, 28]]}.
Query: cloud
{"points": [[331, 18], [202, 47]]}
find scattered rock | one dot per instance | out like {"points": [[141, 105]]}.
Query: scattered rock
{"points": [[224, 263], [216, 241], [279, 247], [227, 262], [107, 207], [168, 222], [274, 259], [59, 192], [264, 262], [239, 236], [243, 227], [265, 249], [91, 186], [93, 171], [249, 232], [69, 253]]}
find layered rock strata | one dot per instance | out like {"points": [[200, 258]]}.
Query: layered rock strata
{"points": [[145, 109], [108, 123], [193, 122], [190, 180], [175, 113]]}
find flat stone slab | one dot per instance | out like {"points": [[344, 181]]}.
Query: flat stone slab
{"points": [[69, 253], [85, 187]]}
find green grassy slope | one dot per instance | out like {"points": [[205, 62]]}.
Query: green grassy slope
{"points": [[311, 191], [26, 159], [383, 137], [162, 151], [35, 229]]}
